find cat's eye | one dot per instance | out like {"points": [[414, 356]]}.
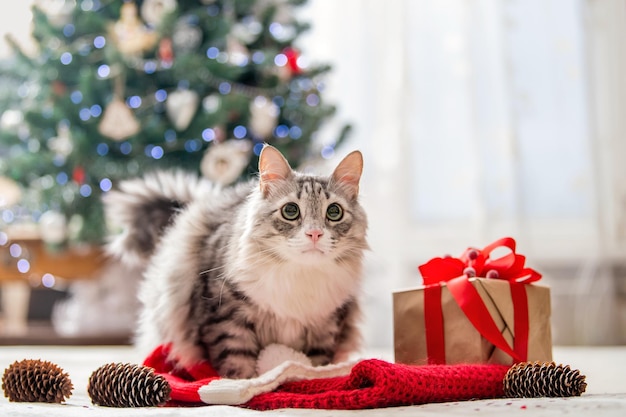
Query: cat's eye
{"points": [[334, 212], [290, 211]]}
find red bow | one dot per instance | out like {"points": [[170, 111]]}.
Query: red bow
{"points": [[477, 263], [455, 272]]}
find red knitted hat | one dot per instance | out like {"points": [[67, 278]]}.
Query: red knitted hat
{"points": [[365, 384]]}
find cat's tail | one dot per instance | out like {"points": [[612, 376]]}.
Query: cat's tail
{"points": [[140, 210]]}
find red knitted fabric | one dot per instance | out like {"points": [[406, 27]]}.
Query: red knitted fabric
{"points": [[371, 383], [374, 383]]}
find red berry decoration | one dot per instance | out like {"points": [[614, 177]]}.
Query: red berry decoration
{"points": [[470, 272], [492, 274]]}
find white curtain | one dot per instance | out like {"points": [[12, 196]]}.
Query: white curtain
{"points": [[481, 119]]}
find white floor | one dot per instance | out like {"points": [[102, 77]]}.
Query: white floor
{"points": [[604, 367]]}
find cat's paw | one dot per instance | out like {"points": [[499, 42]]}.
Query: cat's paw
{"points": [[275, 354]]}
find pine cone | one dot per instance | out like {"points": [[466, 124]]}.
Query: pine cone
{"points": [[36, 381], [543, 379], [127, 385]]}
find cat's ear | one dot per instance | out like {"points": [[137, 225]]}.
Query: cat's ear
{"points": [[348, 173], [273, 167]]}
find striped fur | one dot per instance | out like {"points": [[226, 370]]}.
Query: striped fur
{"points": [[230, 275]]}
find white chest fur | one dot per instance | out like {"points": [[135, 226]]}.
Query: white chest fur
{"points": [[304, 294]]}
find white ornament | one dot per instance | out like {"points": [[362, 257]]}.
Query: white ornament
{"points": [[263, 117], [62, 143], [53, 227], [211, 103], [248, 30], [129, 33], [224, 162], [238, 54], [10, 192], [118, 121], [11, 119], [153, 11], [180, 107], [186, 37]]}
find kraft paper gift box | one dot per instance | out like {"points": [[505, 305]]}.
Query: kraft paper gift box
{"points": [[474, 309]]}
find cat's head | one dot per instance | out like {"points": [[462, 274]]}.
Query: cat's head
{"points": [[306, 218]]}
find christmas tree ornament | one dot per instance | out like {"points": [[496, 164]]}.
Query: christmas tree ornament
{"points": [[187, 36], [211, 103], [11, 119], [53, 228], [248, 30], [10, 192], [118, 121], [292, 60], [180, 107], [166, 52], [61, 144], [59, 12], [220, 133], [129, 34], [263, 117], [138, 386], [34, 380], [543, 379], [59, 88], [223, 163], [78, 175], [238, 54], [153, 11]]}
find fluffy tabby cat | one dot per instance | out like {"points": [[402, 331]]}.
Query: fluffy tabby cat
{"points": [[230, 271]]}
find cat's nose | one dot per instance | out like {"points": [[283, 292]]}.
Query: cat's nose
{"points": [[314, 234]]}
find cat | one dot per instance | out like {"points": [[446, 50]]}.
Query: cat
{"points": [[229, 271]]}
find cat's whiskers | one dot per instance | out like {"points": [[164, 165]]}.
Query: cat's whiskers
{"points": [[208, 271]]}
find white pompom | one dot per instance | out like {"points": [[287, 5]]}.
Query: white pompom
{"points": [[275, 354]]}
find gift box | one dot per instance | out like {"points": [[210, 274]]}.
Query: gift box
{"points": [[474, 309]]}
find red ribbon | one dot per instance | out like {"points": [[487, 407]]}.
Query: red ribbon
{"points": [[455, 273]]}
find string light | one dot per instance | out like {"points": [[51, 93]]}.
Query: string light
{"points": [[328, 152], [106, 184], [99, 42], [96, 110], [208, 135], [23, 266], [48, 280], [84, 114], [103, 71], [85, 190], [66, 58], [69, 30], [15, 250], [62, 178], [76, 97], [240, 132]]}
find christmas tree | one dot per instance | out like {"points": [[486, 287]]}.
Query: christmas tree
{"points": [[118, 88]]}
